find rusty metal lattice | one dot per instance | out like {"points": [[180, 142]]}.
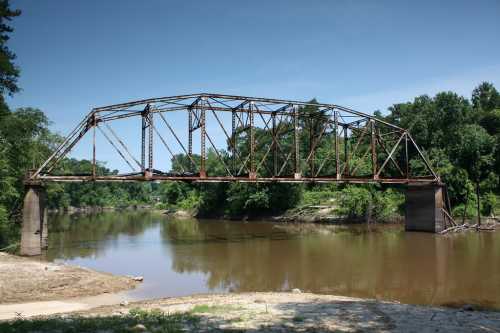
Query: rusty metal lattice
{"points": [[266, 140]]}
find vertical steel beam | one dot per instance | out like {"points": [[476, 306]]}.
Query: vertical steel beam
{"points": [[407, 163], [203, 172], [143, 140], [150, 141], [346, 151], [93, 147], [275, 145], [233, 142], [296, 138], [373, 149], [336, 138], [252, 174], [311, 146], [190, 139]]}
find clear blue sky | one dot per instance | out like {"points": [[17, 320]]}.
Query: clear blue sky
{"points": [[75, 55]]}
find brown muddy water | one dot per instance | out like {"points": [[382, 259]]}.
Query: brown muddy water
{"points": [[182, 257]]}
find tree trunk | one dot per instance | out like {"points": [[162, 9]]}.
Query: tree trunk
{"points": [[465, 206], [478, 205], [369, 211]]}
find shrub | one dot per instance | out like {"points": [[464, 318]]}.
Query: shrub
{"points": [[387, 204], [354, 201], [488, 204], [8, 230]]}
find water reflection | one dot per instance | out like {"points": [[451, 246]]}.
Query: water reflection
{"points": [[186, 256], [73, 236]]}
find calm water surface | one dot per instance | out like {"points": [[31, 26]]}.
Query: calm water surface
{"points": [[184, 257]]}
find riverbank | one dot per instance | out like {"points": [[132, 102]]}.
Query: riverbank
{"points": [[28, 280], [263, 312], [64, 305], [319, 214], [98, 209]]}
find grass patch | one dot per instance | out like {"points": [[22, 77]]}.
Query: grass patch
{"points": [[153, 320], [205, 308]]}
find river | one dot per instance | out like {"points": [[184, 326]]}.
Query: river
{"points": [[182, 257]]}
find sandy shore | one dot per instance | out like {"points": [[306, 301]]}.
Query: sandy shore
{"points": [[29, 280]]}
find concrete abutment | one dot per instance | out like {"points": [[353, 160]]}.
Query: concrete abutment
{"points": [[424, 208], [34, 230]]}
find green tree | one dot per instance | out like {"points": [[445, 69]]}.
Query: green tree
{"points": [[9, 72], [173, 192], [475, 150], [485, 97]]}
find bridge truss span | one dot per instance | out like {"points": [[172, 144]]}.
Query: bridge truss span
{"points": [[223, 138]]}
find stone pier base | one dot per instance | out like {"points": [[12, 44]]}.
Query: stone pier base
{"points": [[34, 229], [424, 208]]}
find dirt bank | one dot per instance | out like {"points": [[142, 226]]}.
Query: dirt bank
{"points": [[28, 280], [270, 312]]}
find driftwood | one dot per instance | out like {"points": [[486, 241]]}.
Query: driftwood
{"points": [[468, 227], [448, 217]]}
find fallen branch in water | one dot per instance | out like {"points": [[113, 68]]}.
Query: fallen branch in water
{"points": [[467, 227]]}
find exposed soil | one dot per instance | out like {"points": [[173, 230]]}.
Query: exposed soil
{"points": [[28, 280]]}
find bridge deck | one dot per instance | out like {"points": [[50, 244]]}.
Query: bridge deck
{"points": [[220, 179]]}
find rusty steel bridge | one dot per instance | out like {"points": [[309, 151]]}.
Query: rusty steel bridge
{"points": [[223, 138], [264, 141]]}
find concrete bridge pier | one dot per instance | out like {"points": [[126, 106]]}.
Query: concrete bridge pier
{"points": [[34, 231], [424, 208]]}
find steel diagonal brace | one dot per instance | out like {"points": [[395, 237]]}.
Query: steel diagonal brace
{"points": [[218, 154], [266, 124], [353, 171], [261, 162], [242, 129], [427, 164], [285, 163], [122, 144], [277, 134], [63, 154], [390, 155], [116, 148], [329, 151], [176, 137], [279, 146], [165, 144], [381, 143], [232, 145], [54, 156], [315, 143], [365, 129]]}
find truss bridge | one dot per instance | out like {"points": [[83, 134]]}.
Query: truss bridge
{"points": [[224, 138]]}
